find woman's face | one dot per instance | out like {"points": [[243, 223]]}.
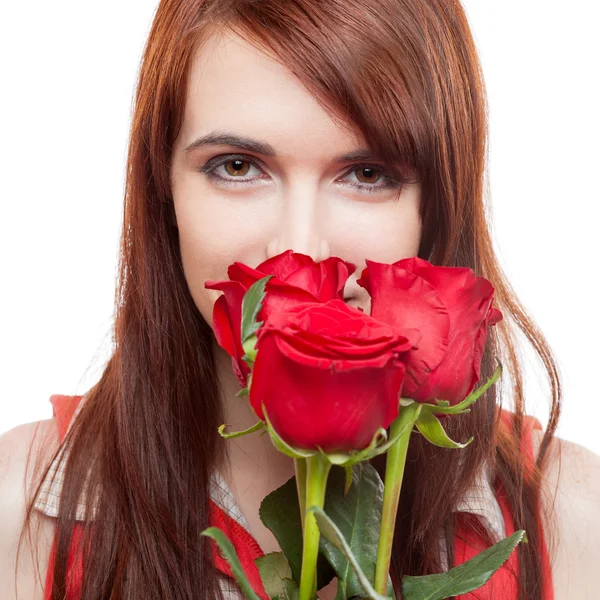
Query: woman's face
{"points": [[257, 170]]}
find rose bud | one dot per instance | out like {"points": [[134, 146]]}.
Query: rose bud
{"points": [[451, 307]]}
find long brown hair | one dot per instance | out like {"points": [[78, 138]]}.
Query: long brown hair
{"points": [[406, 72]]}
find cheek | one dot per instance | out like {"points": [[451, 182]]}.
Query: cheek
{"points": [[384, 233], [388, 240], [196, 272], [384, 236], [208, 246], [212, 234]]}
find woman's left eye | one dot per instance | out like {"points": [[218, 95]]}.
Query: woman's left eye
{"points": [[369, 178]]}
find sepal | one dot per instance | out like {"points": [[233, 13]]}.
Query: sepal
{"points": [[251, 306], [443, 406], [431, 428], [235, 434], [243, 392], [282, 445]]}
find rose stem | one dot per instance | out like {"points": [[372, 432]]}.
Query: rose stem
{"points": [[394, 472], [317, 468], [300, 468]]}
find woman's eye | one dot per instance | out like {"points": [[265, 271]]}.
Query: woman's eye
{"points": [[237, 170], [366, 174], [236, 167]]}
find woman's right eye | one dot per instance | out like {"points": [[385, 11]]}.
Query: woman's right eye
{"points": [[235, 168]]}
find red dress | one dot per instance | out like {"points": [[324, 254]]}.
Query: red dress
{"points": [[503, 585]]}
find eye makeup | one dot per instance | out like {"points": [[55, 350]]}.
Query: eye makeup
{"points": [[210, 170]]}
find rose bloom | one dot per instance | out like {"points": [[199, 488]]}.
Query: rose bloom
{"points": [[329, 375], [451, 307], [296, 278]]}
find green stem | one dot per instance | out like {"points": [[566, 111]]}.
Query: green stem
{"points": [[394, 472], [300, 468], [317, 471]]}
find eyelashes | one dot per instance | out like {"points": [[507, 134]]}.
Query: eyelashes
{"points": [[384, 182]]}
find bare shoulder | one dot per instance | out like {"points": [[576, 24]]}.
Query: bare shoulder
{"points": [[21, 450], [571, 495]]}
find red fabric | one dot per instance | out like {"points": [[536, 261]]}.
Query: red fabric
{"points": [[63, 408], [246, 546], [503, 583], [467, 543]]}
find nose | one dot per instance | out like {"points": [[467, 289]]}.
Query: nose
{"points": [[300, 228]]}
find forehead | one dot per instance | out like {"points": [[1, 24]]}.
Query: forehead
{"points": [[235, 86]]}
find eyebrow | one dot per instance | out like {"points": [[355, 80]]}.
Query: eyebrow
{"points": [[225, 138]]}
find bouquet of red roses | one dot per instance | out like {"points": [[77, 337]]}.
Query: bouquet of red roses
{"points": [[335, 387]]}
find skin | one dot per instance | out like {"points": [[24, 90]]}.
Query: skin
{"points": [[299, 199]]}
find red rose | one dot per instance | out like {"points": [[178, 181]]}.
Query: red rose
{"points": [[328, 374], [296, 278], [451, 307]]}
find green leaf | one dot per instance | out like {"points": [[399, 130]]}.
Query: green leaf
{"points": [[430, 426], [236, 434], [335, 537], [280, 513], [466, 577], [291, 590], [251, 306], [274, 569], [243, 392], [357, 516], [232, 558]]}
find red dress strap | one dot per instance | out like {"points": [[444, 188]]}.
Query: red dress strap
{"points": [[63, 408], [246, 546], [504, 583]]}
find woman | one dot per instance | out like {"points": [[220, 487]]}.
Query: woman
{"points": [[249, 137]]}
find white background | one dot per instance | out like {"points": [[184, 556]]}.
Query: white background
{"points": [[68, 72]]}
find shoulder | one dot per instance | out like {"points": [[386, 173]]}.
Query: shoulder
{"points": [[19, 449], [23, 450], [571, 497]]}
